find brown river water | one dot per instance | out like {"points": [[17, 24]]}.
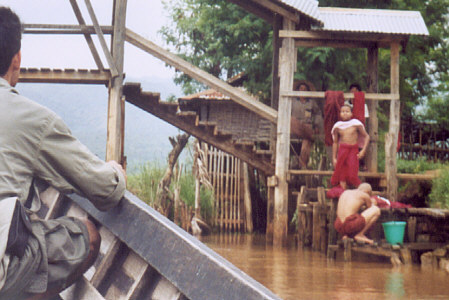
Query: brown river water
{"points": [[300, 273]]}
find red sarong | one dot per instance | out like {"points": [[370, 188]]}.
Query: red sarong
{"points": [[358, 106], [351, 226], [347, 168], [334, 100]]}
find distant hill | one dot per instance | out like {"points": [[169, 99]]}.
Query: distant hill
{"points": [[84, 109]]}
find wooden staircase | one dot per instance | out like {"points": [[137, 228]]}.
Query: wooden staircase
{"points": [[187, 119]]}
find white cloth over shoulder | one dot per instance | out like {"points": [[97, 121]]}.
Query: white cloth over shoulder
{"points": [[346, 124]]}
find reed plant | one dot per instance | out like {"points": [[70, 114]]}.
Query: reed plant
{"points": [[144, 183]]}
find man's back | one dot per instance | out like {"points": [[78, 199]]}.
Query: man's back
{"points": [[349, 203]]}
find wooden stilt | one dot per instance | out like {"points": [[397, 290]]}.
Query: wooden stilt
{"points": [[247, 200], [333, 236], [322, 218], [347, 243]]}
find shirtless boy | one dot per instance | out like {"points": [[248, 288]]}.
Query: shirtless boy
{"points": [[348, 135], [351, 223]]}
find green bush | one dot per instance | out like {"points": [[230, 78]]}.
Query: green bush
{"points": [[439, 197], [418, 165]]}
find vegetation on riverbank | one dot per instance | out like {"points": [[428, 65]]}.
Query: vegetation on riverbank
{"points": [[144, 183]]}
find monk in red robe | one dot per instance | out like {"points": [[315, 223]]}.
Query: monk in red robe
{"points": [[348, 135]]}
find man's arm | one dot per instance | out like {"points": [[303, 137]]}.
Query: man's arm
{"points": [[362, 132], [317, 117], [367, 200], [336, 137], [294, 126], [67, 165]]}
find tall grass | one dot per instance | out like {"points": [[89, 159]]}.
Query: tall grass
{"points": [[144, 182]]}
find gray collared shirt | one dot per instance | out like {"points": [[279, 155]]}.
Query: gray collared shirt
{"points": [[36, 143]]}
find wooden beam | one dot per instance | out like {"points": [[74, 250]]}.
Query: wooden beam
{"points": [[100, 36], [331, 44], [341, 37], [403, 176], [391, 138], [372, 73], [116, 58], [270, 5], [63, 29], [87, 36], [80, 76], [373, 96], [275, 62], [247, 200], [237, 95], [287, 67], [260, 12]]}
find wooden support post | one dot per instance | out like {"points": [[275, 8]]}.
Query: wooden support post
{"points": [[287, 68], [316, 241], [347, 254], [300, 211], [406, 256], [113, 143], [275, 67], [270, 214], [373, 126], [391, 138], [323, 218], [247, 200], [333, 236], [411, 229]]}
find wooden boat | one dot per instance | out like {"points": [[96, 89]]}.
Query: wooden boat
{"points": [[143, 255]]}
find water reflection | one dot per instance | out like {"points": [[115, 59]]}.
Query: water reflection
{"points": [[394, 285], [296, 273]]}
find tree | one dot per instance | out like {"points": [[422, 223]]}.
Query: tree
{"points": [[224, 40]]}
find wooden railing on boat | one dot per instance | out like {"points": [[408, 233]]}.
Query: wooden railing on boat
{"points": [[143, 255]]}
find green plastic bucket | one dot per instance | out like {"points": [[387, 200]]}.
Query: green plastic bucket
{"points": [[394, 232]]}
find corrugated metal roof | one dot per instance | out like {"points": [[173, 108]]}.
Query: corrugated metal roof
{"points": [[307, 7], [210, 94], [372, 20]]}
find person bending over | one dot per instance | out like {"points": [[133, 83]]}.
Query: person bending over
{"points": [[351, 223], [39, 258]]}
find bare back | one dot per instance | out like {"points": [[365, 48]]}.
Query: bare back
{"points": [[350, 203]]}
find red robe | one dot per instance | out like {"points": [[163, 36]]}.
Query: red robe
{"points": [[347, 168], [358, 106], [334, 100]]}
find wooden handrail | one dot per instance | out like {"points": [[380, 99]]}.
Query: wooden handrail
{"points": [[404, 176], [370, 96]]}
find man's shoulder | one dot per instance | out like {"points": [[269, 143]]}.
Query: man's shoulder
{"points": [[24, 103]]}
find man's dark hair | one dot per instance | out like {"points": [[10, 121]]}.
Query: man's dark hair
{"points": [[10, 37], [356, 85]]}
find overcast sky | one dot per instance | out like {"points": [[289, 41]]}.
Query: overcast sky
{"points": [[144, 17]]}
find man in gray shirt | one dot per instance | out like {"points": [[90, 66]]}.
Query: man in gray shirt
{"points": [[306, 122], [42, 257]]}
